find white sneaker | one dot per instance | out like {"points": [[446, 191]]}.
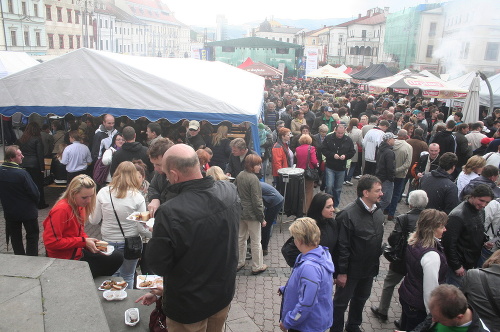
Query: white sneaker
{"points": [[345, 182], [357, 177], [337, 210], [349, 183]]}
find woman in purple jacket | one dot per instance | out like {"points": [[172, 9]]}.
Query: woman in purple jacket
{"points": [[307, 296]]}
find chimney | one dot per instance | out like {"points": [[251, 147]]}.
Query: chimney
{"points": [[359, 15], [369, 13]]}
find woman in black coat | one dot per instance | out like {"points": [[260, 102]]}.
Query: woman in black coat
{"points": [[321, 210], [31, 146]]}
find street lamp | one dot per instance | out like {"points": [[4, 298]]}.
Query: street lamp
{"points": [[87, 8]]}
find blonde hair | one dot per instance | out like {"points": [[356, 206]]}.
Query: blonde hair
{"points": [[220, 135], [474, 163], [124, 179], [428, 221], [217, 173], [78, 183], [305, 139], [305, 231]]}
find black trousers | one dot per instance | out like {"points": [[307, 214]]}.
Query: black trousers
{"points": [[15, 233], [37, 176], [102, 265], [74, 175]]}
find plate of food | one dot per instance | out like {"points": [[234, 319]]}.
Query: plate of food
{"points": [[111, 295], [139, 216], [149, 281], [104, 247], [113, 285]]}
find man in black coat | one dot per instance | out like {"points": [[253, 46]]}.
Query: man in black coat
{"points": [[445, 139], [239, 151], [441, 190], [337, 149], [464, 237], [131, 150], [200, 225], [386, 168], [19, 196], [361, 230]]}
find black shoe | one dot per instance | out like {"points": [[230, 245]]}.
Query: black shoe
{"points": [[353, 329], [397, 323], [43, 206], [265, 252], [378, 314]]}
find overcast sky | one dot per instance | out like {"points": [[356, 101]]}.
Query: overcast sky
{"points": [[203, 13]]}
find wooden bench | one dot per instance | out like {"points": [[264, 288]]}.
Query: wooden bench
{"points": [[48, 163]]}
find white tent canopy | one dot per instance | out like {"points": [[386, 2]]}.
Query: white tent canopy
{"points": [[484, 95], [464, 81], [12, 62], [95, 82]]}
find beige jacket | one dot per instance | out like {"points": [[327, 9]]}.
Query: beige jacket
{"points": [[403, 152]]}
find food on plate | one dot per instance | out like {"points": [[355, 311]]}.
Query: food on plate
{"points": [[147, 283], [102, 245], [145, 216], [113, 285]]}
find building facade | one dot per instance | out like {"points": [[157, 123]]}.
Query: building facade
{"points": [[271, 52], [23, 26]]}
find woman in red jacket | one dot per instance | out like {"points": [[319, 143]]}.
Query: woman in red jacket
{"points": [[64, 235], [282, 155], [302, 153]]}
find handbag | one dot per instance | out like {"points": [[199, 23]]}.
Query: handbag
{"points": [[290, 252], [157, 319], [133, 244], [397, 253], [100, 173], [310, 173]]}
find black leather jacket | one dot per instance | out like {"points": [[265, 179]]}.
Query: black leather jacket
{"points": [[464, 236]]}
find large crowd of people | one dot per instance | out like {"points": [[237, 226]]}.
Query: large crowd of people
{"points": [[207, 189]]}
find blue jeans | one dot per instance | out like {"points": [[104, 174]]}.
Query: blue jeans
{"points": [[127, 269], [453, 279], [396, 196], [350, 172], [334, 182], [387, 188]]}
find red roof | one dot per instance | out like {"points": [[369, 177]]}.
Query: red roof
{"points": [[374, 19]]}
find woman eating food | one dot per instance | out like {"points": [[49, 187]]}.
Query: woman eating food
{"points": [[64, 229]]}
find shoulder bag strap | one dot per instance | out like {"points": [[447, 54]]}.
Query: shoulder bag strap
{"points": [[486, 287], [116, 215], [308, 158]]}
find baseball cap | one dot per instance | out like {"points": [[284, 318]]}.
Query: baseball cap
{"points": [[387, 136], [486, 140], [194, 125]]}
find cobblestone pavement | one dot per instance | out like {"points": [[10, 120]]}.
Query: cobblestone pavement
{"points": [[257, 295]]}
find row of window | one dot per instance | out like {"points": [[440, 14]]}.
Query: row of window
{"points": [[26, 37], [60, 39]]}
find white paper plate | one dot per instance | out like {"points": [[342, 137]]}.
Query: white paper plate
{"points": [[109, 252], [116, 295], [133, 216], [156, 281]]}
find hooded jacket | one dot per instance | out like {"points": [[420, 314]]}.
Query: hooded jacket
{"points": [[441, 191], [129, 152], [403, 152], [100, 134], [386, 162], [307, 296], [476, 182]]}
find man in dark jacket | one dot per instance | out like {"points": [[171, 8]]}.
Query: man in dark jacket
{"points": [[404, 226], [464, 236], [449, 309], [386, 168], [327, 119], [239, 151], [19, 196], [337, 149], [361, 231], [442, 192], [446, 139], [464, 150], [106, 130], [489, 177], [130, 150], [185, 233]]}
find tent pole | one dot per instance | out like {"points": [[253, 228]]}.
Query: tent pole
{"points": [[3, 140], [485, 79]]}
